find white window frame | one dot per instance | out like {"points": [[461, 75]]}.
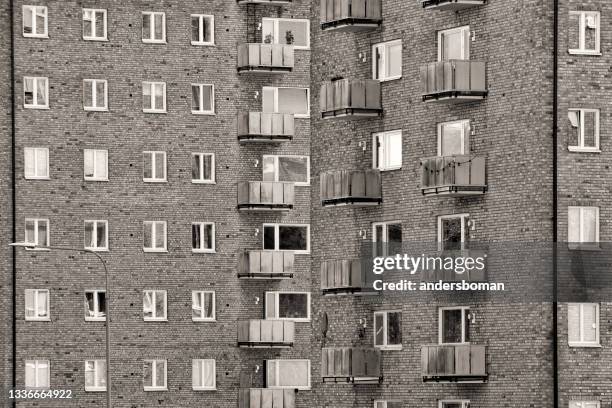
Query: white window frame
{"points": [[37, 385], [35, 104], [97, 153], [385, 237], [301, 387], [212, 102], [96, 387], [277, 233], [465, 315], [151, 16], [154, 179], [276, 21], [203, 387], [201, 250], [580, 115], [385, 345], [465, 45], [276, 88], [36, 151], [154, 368], [276, 158], [202, 180], [155, 318], [582, 342], [92, 36], [37, 315], [385, 147], [154, 232], [201, 293], [153, 84], [582, 27], [276, 294], [382, 49], [464, 228], [464, 133], [98, 247], [96, 317], [94, 95], [464, 403], [201, 18], [583, 244], [36, 222], [34, 34]]}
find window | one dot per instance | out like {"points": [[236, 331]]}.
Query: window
{"points": [[95, 166], [288, 31], [95, 95], [288, 306], [583, 227], [37, 304], [154, 97], [294, 169], [386, 238], [584, 32], [95, 305], [288, 374], [154, 236], [286, 100], [388, 330], [202, 29], [36, 163], [154, 305], [584, 404], [454, 325], [37, 374], [584, 130], [154, 167], [202, 99], [454, 44], [454, 138], [94, 24], [203, 237], [96, 235], [203, 305], [37, 232], [155, 375], [203, 168], [153, 27], [35, 93], [583, 324], [454, 404], [452, 232], [95, 375], [204, 374], [387, 60], [387, 404], [387, 149], [35, 21], [285, 237]]}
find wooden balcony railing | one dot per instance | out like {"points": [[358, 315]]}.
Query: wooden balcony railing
{"points": [[265, 195], [351, 187], [453, 5], [455, 176], [351, 98], [453, 363], [350, 15], [266, 2], [435, 273], [348, 276], [266, 333], [266, 58], [454, 80], [351, 365], [266, 398], [266, 265], [265, 127]]}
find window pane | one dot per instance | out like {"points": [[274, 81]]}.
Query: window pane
{"points": [[42, 298], [379, 334], [42, 233], [208, 236], [451, 233], [293, 305], [292, 373], [267, 32], [197, 373], [159, 27], [208, 305], [293, 32], [28, 25], [89, 304], [394, 328], [208, 379], [159, 96], [101, 373], [101, 163], [590, 224], [28, 91], [196, 97], [160, 374], [100, 94], [147, 304], [147, 165], [29, 303], [160, 304], [100, 24], [42, 161], [41, 84], [207, 162], [29, 162], [451, 139], [87, 94], [292, 238], [30, 231], [41, 15], [394, 60], [160, 165], [573, 223], [268, 169], [589, 129], [195, 28], [207, 95], [90, 374], [394, 150], [147, 235], [451, 326], [394, 238], [293, 169], [160, 235], [590, 32], [101, 304], [208, 29], [101, 234], [195, 236], [292, 100], [195, 167], [589, 318], [147, 374], [267, 100], [43, 374], [268, 238], [146, 95], [89, 236], [196, 305], [451, 43]]}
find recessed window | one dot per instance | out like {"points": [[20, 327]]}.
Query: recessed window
{"points": [[454, 138], [37, 304], [37, 374], [386, 238], [202, 99], [454, 325], [95, 375], [387, 60], [154, 97], [584, 130], [583, 324], [202, 29], [583, 227], [584, 404], [288, 306], [387, 148], [96, 235], [154, 236], [203, 168], [452, 232], [286, 237], [95, 305], [294, 101], [454, 44], [288, 374], [37, 232], [203, 237], [95, 166], [388, 330], [94, 24], [290, 31], [292, 169], [35, 93], [155, 375], [584, 32], [204, 374], [387, 404], [454, 404], [203, 305], [95, 95], [35, 21], [36, 163], [154, 305], [153, 27], [154, 167]]}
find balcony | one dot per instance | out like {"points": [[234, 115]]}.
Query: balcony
{"points": [[266, 398], [266, 333], [346, 277], [265, 58], [352, 99], [351, 365], [451, 5], [265, 127], [350, 15], [266, 2], [453, 363], [265, 195], [453, 176], [455, 81], [351, 187], [266, 265], [475, 275]]}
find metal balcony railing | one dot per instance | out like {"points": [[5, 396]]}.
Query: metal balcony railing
{"points": [[454, 80], [265, 195], [455, 176], [266, 333], [265, 58], [452, 5], [348, 276], [351, 187], [350, 98], [351, 365], [350, 15], [266, 265], [265, 127], [266, 398]]}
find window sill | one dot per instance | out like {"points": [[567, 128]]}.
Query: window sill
{"points": [[585, 345], [160, 42], [584, 247], [162, 111], [159, 251], [35, 35], [203, 251], [389, 169], [38, 319], [203, 113], [155, 388], [583, 149], [96, 249], [95, 179], [154, 320], [390, 79], [154, 180], [95, 389], [296, 320], [97, 39], [37, 178], [287, 387], [585, 53], [95, 319], [203, 44], [37, 248], [198, 320], [204, 388], [300, 115], [36, 107], [389, 348], [203, 182], [86, 109]]}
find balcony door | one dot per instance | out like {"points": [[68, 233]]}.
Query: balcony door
{"points": [[454, 44], [453, 138]]}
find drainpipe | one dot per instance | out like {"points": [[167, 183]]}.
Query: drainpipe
{"points": [[13, 200], [555, 204]]}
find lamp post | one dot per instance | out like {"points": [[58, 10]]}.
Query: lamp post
{"points": [[28, 245]]}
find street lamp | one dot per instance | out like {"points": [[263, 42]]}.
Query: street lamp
{"points": [[29, 245]]}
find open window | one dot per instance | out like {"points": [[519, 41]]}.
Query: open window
{"points": [[584, 32], [583, 130], [386, 238], [387, 150], [289, 31], [293, 169], [452, 232], [288, 306], [294, 101], [387, 60], [454, 325], [388, 330], [287, 237]]}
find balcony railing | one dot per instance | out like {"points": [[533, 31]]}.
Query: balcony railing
{"points": [[351, 365], [265, 195], [453, 363], [266, 398], [454, 176], [454, 80], [435, 273], [265, 58], [350, 15], [454, 5], [266, 333], [351, 98], [348, 276], [265, 127], [266, 265], [266, 2], [351, 187]]}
